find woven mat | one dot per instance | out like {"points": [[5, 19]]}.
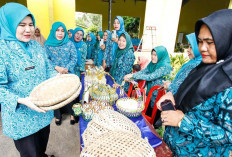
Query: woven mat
{"points": [[55, 90], [118, 144], [106, 121]]}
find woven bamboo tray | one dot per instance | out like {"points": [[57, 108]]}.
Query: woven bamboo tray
{"points": [[63, 103], [118, 144], [55, 90], [109, 120]]}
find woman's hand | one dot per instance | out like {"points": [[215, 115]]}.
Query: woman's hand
{"points": [[61, 70], [166, 84], [171, 118], [127, 77], [115, 40], [104, 64], [168, 96], [103, 47], [27, 101], [116, 85]]}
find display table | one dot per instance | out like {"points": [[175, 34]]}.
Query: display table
{"points": [[146, 128]]}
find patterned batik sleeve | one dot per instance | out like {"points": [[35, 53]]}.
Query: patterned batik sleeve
{"points": [[7, 98], [127, 66], [48, 53], [83, 56], [211, 121], [51, 72], [95, 62], [145, 75], [73, 58], [107, 50]]}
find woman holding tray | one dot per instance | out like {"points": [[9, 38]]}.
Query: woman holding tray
{"points": [[23, 65], [63, 56]]}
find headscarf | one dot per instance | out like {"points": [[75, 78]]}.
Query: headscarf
{"points": [[163, 61], [120, 52], [100, 51], [143, 62], [195, 61], [100, 33], [207, 80], [109, 35], [119, 32], [52, 40], [78, 45], [9, 22], [121, 21], [39, 39], [90, 45], [71, 30]]}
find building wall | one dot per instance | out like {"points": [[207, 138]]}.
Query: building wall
{"points": [[121, 8], [196, 9]]}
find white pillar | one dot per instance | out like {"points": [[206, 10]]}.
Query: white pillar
{"points": [[164, 16]]}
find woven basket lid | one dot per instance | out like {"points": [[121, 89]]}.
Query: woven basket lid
{"points": [[118, 144], [63, 103], [55, 90], [109, 120]]}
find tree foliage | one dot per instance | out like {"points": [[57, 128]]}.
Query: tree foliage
{"points": [[132, 26]]}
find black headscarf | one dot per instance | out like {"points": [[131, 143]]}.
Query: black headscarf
{"points": [[207, 80]]}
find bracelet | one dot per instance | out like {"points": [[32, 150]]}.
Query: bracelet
{"points": [[179, 123]]}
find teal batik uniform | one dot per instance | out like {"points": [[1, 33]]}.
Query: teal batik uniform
{"points": [[187, 67], [155, 73], [61, 52], [205, 97], [81, 48], [22, 67], [108, 56], [98, 59], [119, 32], [123, 63], [91, 46]]}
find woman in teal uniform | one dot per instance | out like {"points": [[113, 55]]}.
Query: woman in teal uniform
{"points": [[23, 65]]}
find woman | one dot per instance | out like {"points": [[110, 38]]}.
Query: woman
{"points": [[38, 36], [23, 65], [195, 59], [63, 56], [143, 62], [91, 40], [81, 47], [99, 50], [154, 73], [107, 57], [70, 33], [124, 60], [201, 126], [119, 28]]}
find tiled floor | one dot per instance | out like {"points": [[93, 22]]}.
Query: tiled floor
{"points": [[64, 140]]}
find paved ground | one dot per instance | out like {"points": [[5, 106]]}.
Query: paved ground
{"points": [[64, 141]]}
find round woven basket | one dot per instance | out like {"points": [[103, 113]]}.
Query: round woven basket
{"points": [[118, 144], [63, 103], [56, 90], [130, 107], [109, 120]]}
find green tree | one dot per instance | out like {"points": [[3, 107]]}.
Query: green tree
{"points": [[132, 26]]}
